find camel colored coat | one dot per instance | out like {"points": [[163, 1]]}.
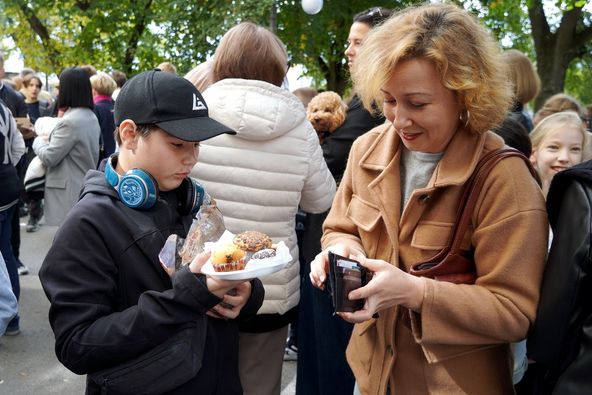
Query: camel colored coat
{"points": [[459, 342]]}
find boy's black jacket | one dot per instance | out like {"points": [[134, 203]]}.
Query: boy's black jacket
{"points": [[111, 301]]}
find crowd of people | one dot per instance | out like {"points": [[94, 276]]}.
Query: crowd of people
{"points": [[116, 165]]}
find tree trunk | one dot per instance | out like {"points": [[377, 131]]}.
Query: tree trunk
{"points": [[41, 31], [336, 79], [273, 18], [132, 44], [555, 50]]}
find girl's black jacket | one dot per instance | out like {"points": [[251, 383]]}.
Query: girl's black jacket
{"points": [[561, 339], [118, 317]]}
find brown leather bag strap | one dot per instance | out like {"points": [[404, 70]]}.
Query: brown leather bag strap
{"points": [[473, 188]]}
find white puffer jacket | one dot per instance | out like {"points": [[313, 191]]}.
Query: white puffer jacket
{"points": [[260, 175]]}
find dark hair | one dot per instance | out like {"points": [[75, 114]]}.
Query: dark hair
{"points": [[142, 129], [373, 16], [27, 80], [515, 135], [119, 77], [89, 69], [75, 89], [26, 71]]}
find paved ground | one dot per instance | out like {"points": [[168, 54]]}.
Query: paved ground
{"points": [[27, 362]]}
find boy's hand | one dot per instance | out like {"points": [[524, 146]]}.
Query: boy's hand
{"points": [[221, 287], [200, 260], [216, 286], [232, 302], [234, 293]]}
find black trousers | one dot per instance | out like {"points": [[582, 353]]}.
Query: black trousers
{"points": [[322, 337]]}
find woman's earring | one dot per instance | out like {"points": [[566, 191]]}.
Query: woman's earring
{"points": [[464, 117]]}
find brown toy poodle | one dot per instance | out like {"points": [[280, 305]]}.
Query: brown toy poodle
{"points": [[326, 112]]}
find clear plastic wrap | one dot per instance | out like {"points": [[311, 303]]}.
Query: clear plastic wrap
{"points": [[207, 226]]}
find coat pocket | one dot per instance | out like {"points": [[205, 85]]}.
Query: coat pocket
{"points": [[434, 236], [162, 369], [442, 352], [363, 214], [366, 217], [361, 345]]}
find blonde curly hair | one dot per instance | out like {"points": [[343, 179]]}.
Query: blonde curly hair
{"points": [[466, 56]]}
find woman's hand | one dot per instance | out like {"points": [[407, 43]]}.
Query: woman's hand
{"points": [[389, 286], [233, 302], [320, 266]]}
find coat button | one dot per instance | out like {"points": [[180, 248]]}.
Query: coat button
{"points": [[389, 349], [423, 198]]}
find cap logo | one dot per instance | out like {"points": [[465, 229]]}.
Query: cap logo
{"points": [[198, 104]]}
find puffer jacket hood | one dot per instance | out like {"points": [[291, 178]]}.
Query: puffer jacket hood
{"points": [[242, 108]]}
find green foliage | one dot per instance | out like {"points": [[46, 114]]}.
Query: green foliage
{"points": [[130, 35], [508, 22], [318, 41], [134, 35], [511, 24], [579, 80]]}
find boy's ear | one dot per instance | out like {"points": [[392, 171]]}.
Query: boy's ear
{"points": [[128, 134]]}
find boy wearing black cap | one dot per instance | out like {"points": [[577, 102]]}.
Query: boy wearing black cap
{"points": [[116, 314]]}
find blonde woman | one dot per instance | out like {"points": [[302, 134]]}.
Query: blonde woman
{"points": [[443, 85], [526, 83]]}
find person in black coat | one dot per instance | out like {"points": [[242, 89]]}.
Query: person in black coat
{"points": [[103, 87], [36, 107], [560, 341], [322, 367]]}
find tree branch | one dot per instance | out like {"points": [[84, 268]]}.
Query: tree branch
{"points": [[41, 31], [567, 30], [583, 37], [138, 30], [541, 32], [83, 4]]}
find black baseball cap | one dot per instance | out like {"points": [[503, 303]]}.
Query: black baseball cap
{"points": [[170, 102]]}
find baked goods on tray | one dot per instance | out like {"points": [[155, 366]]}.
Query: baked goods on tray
{"points": [[252, 241], [231, 256], [264, 254], [228, 257]]}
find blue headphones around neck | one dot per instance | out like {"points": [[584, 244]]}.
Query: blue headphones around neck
{"points": [[139, 190]]}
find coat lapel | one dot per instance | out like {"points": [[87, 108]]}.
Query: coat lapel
{"points": [[384, 157]]}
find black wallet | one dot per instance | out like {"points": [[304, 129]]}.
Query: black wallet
{"points": [[345, 275]]}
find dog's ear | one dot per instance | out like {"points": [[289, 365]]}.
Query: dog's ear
{"points": [[309, 110]]}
